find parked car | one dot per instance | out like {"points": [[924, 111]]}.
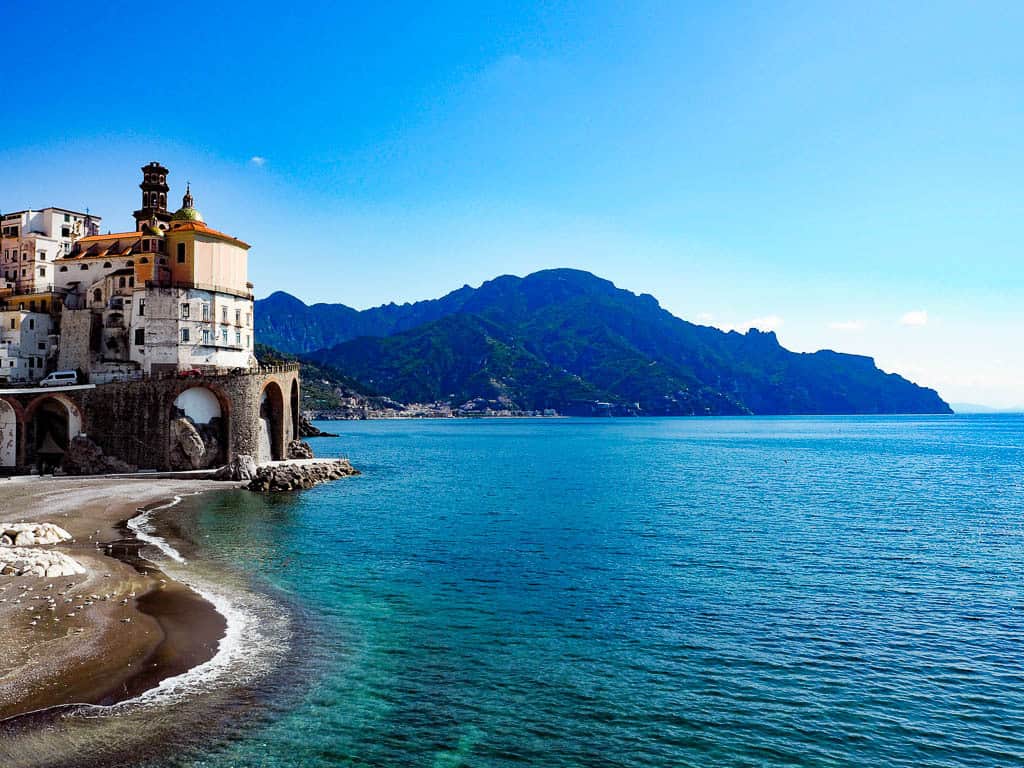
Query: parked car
{"points": [[59, 379], [190, 373]]}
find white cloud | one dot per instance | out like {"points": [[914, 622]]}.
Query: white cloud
{"points": [[847, 325], [258, 161], [917, 317]]}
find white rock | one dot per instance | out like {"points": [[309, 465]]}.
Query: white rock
{"points": [[43, 563]]}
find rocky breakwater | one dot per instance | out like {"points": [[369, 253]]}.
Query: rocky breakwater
{"points": [[21, 555], [297, 475]]}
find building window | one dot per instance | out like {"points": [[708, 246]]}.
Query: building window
{"points": [[42, 255], [238, 317], [24, 255], [206, 336], [97, 295], [238, 337], [185, 311], [184, 335], [67, 217], [248, 319], [63, 269], [107, 265], [121, 282], [224, 335], [84, 267], [206, 312], [65, 231], [224, 315], [247, 342], [140, 336], [31, 324], [42, 306], [131, 281], [42, 271], [42, 346], [181, 253], [12, 324]]}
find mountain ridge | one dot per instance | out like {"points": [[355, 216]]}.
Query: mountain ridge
{"points": [[564, 338]]}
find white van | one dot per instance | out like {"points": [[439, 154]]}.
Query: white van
{"points": [[60, 379]]}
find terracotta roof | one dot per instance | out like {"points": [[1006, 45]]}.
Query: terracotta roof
{"points": [[111, 236], [193, 226]]}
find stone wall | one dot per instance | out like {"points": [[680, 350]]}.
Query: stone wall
{"points": [[75, 331], [132, 421]]}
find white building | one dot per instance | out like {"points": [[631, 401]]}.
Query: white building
{"points": [[30, 242], [28, 345]]}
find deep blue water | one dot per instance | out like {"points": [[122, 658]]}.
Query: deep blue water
{"points": [[675, 592]]}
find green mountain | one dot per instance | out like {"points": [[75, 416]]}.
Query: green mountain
{"points": [[566, 339]]}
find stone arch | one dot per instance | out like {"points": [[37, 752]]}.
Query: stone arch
{"points": [[271, 423], [52, 421], [8, 435], [295, 409], [198, 431]]}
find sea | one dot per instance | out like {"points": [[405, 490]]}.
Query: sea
{"points": [[803, 591]]}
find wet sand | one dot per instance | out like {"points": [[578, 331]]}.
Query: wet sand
{"points": [[113, 632]]}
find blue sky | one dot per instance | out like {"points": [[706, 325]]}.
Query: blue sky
{"points": [[847, 174]]}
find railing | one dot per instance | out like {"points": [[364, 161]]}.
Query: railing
{"points": [[187, 285], [204, 373]]}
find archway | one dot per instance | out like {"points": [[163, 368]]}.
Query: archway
{"points": [[271, 426], [295, 410], [52, 421], [8, 435], [198, 430]]}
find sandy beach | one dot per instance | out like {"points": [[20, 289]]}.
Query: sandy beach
{"points": [[113, 632]]}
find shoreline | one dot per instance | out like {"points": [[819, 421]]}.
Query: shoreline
{"points": [[118, 630]]}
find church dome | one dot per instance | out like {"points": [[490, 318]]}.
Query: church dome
{"points": [[187, 212]]}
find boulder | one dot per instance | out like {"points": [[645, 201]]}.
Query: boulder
{"points": [[31, 534], [84, 457], [297, 449], [292, 477], [188, 444], [43, 563], [239, 468], [306, 429]]}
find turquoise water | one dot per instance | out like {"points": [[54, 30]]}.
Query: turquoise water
{"points": [[735, 592]]}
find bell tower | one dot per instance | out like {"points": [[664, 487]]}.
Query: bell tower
{"points": [[154, 196]]}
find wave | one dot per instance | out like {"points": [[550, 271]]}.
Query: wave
{"points": [[255, 639]]}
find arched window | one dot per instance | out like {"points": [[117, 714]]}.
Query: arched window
{"points": [[107, 265], [121, 282], [63, 269], [97, 295], [130, 263], [143, 260]]}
